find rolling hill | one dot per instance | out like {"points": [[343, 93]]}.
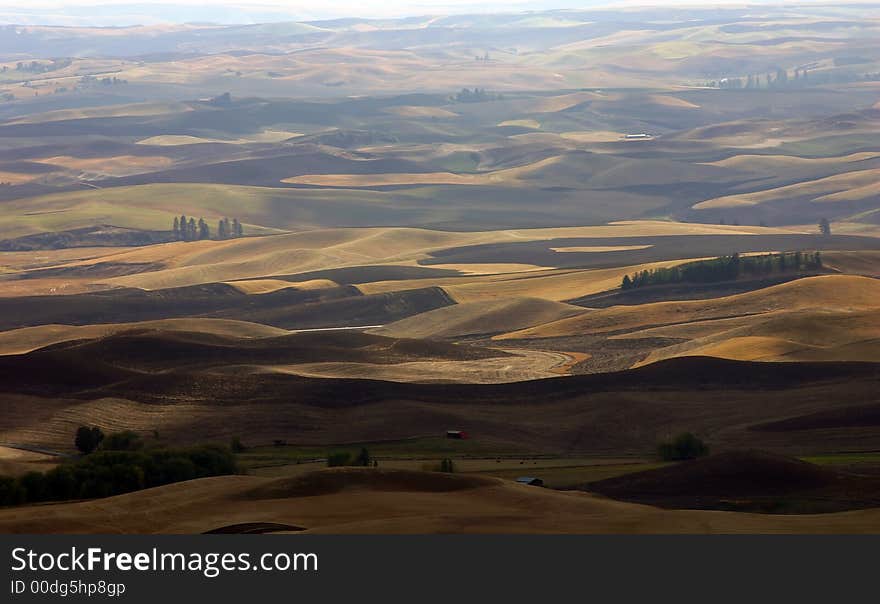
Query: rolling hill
{"points": [[388, 501]]}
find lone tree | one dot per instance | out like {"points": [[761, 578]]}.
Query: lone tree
{"points": [[825, 227], [684, 446], [237, 229], [88, 439]]}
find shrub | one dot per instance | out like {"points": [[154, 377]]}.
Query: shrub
{"points": [[123, 441], [684, 446], [338, 458], [236, 445], [34, 485], [11, 492], [445, 465], [363, 458]]}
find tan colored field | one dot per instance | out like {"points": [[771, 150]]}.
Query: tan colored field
{"points": [[549, 284], [772, 164], [671, 101], [524, 365], [371, 70], [843, 293], [850, 186], [381, 180], [173, 140], [179, 264], [478, 318], [559, 168], [429, 112], [130, 110], [860, 263], [211, 261], [26, 339], [15, 462], [18, 261], [17, 178], [561, 102], [397, 501], [601, 248], [509, 176], [555, 285], [120, 165], [490, 269], [266, 286], [597, 136], [798, 335], [764, 348], [521, 123]]}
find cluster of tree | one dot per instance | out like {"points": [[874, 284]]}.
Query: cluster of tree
{"points": [[684, 446], [37, 67], [88, 440], [477, 95], [345, 458], [88, 80], [109, 471], [187, 229], [228, 230], [485, 57], [725, 268]]}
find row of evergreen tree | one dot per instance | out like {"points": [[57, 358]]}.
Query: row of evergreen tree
{"points": [[187, 229], [780, 79], [798, 79], [726, 268]]}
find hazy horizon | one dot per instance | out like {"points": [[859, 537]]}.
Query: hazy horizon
{"points": [[123, 13]]}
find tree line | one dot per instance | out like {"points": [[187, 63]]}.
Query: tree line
{"points": [[477, 95], [801, 77], [780, 79], [187, 229], [120, 465], [725, 268], [38, 67]]}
